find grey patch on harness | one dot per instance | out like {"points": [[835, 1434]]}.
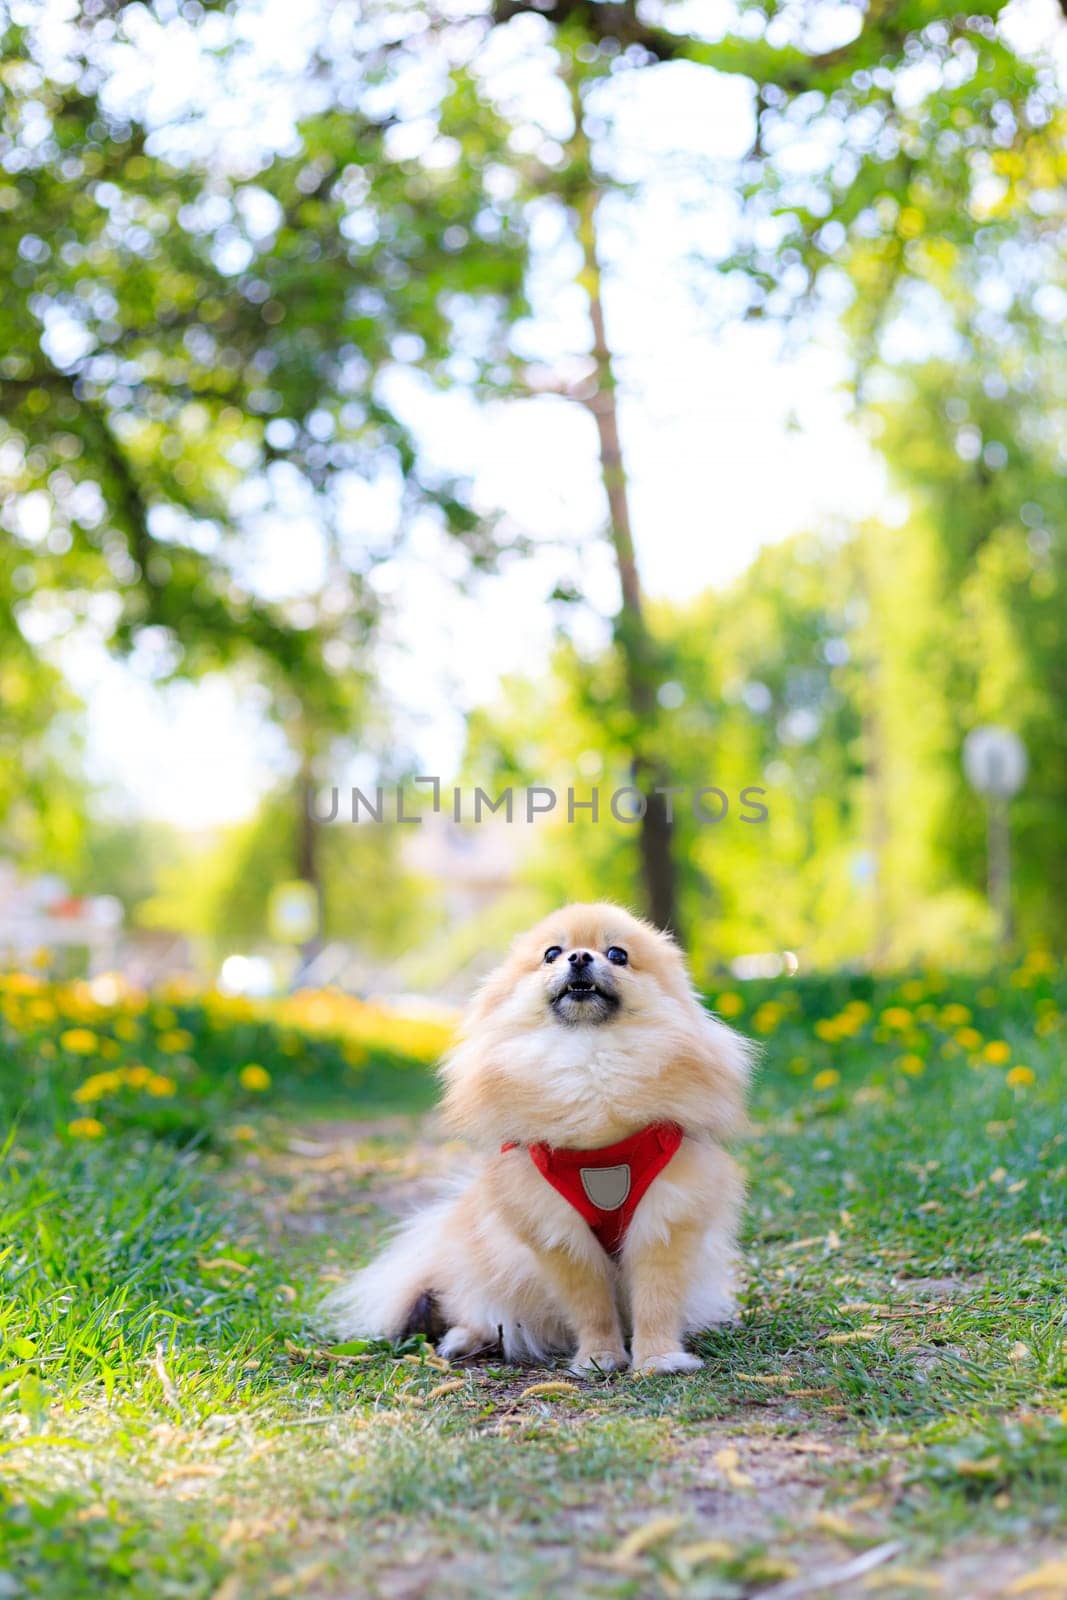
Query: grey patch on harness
{"points": [[606, 1187]]}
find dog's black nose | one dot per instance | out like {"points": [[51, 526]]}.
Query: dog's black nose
{"points": [[580, 958]]}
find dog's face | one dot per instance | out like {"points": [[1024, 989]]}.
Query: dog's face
{"points": [[589, 966], [591, 1026]]}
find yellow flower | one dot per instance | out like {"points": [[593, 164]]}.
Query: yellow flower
{"points": [[953, 1016], [164, 1018], [826, 1078], [826, 1028], [913, 990], [175, 1039], [913, 1066], [79, 1041], [85, 1128], [254, 1077], [137, 1076], [160, 1085], [798, 1065], [96, 1086], [998, 1052], [1021, 1077], [767, 1016], [968, 1038], [896, 1017], [126, 1028], [729, 1004]]}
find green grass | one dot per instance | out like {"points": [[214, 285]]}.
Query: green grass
{"points": [[170, 1427]]}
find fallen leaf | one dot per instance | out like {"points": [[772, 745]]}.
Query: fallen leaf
{"points": [[831, 1522], [643, 1538], [728, 1461], [986, 1467], [695, 1555], [1052, 1575], [904, 1578]]}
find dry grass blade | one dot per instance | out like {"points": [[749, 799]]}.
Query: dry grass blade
{"points": [[834, 1577]]}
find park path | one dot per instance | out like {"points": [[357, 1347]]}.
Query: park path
{"points": [[745, 1478]]}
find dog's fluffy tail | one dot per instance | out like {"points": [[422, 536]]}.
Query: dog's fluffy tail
{"points": [[395, 1294]]}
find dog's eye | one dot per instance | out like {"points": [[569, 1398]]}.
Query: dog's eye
{"points": [[552, 952], [617, 957]]}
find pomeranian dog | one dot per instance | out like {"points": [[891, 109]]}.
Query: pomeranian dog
{"points": [[601, 1092]]}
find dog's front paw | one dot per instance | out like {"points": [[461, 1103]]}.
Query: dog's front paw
{"points": [[667, 1361], [588, 1362]]}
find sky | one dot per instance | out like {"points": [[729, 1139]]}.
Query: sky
{"points": [[730, 443]]}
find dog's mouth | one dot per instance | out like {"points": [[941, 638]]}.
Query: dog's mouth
{"points": [[581, 996]]}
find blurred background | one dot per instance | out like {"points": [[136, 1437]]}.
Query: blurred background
{"points": [[571, 394]]}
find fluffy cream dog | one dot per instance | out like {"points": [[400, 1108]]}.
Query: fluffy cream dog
{"points": [[588, 1045]]}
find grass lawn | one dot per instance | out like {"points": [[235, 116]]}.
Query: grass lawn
{"points": [[888, 1417]]}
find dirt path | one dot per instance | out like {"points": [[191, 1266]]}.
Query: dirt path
{"points": [[768, 1497]]}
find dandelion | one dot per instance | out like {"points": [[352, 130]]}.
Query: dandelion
{"points": [[85, 1128], [1021, 1077], [254, 1077], [968, 1038], [97, 1086], [79, 1041], [826, 1079], [896, 1017], [729, 1004], [997, 1052], [125, 1028], [175, 1039], [912, 1066], [768, 1016], [160, 1085], [955, 1015]]}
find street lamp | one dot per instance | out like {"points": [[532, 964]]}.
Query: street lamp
{"points": [[995, 762]]}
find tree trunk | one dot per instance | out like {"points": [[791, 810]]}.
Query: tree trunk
{"points": [[655, 831], [307, 853]]}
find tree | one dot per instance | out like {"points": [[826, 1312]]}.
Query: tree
{"points": [[902, 124], [197, 347]]}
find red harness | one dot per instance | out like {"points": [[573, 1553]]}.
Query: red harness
{"points": [[606, 1186]]}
